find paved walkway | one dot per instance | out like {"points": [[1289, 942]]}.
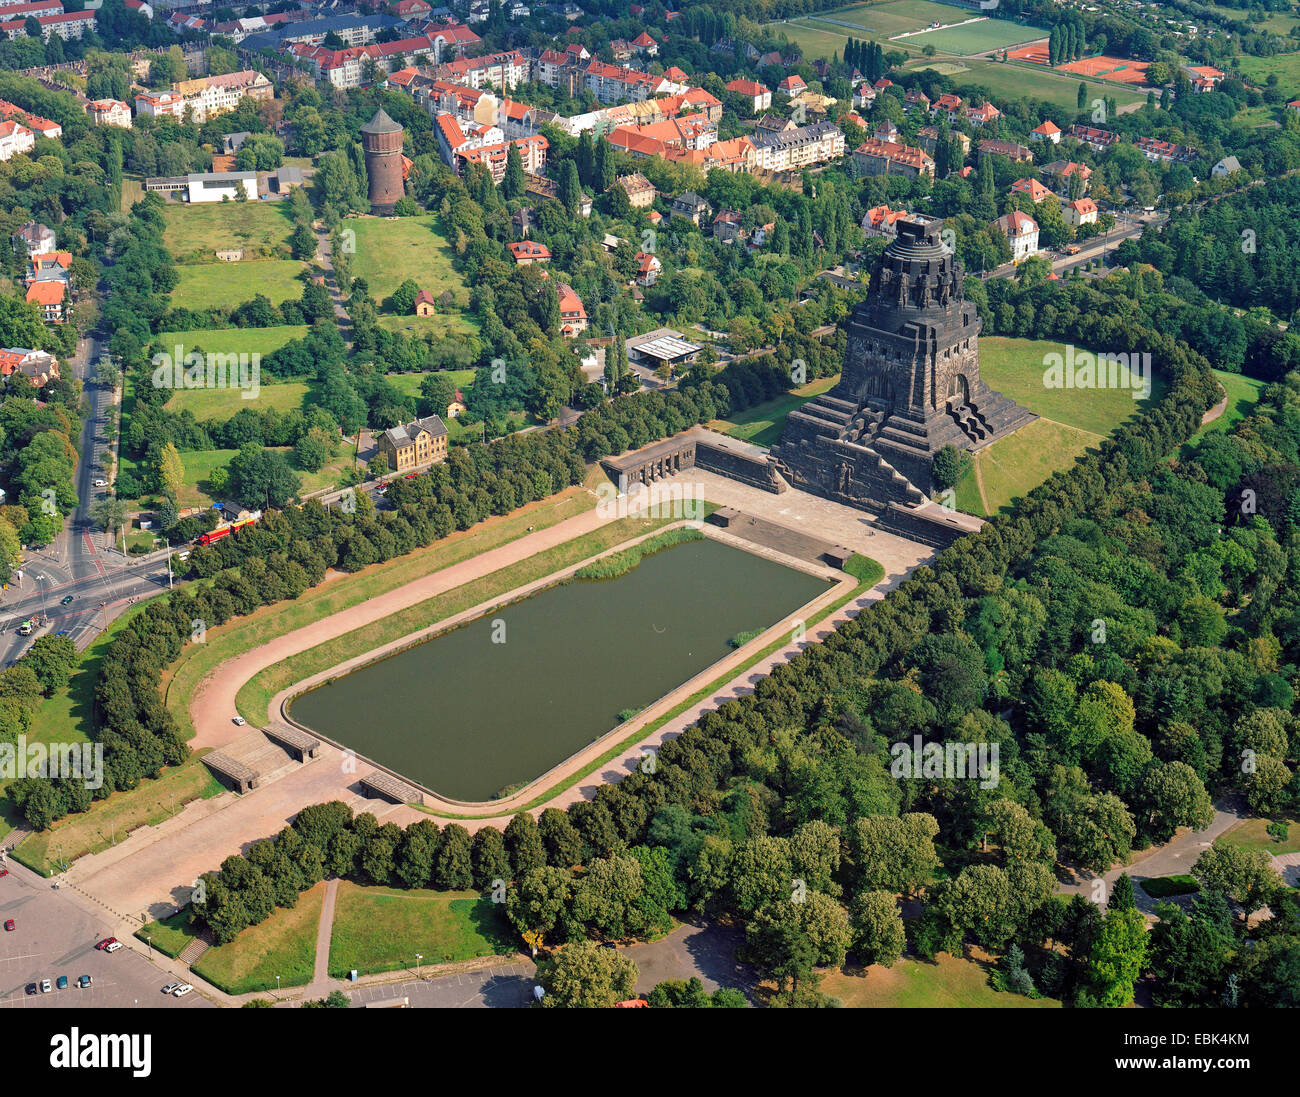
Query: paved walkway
{"points": [[324, 931], [1176, 856]]}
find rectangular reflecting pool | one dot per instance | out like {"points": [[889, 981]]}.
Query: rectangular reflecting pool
{"points": [[499, 701]]}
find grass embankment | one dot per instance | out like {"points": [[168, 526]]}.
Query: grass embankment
{"points": [[620, 563], [1243, 394], [110, 821], [254, 697], [232, 639], [170, 936], [763, 424], [1072, 421], [382, 929], [948, 981], [67, 717], [284, 945]]}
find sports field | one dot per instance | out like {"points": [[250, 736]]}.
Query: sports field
{"points": [[1017, 81], [892, 17], [987, 34]]}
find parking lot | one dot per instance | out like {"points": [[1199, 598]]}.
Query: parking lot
{"points": [[502, 987], [54, 936]]}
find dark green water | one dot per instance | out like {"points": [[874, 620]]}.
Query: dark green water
{"points": [[466, 717]]}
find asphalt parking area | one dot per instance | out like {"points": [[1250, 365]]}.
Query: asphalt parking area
{"points": [[53, 936], [503, 987]]}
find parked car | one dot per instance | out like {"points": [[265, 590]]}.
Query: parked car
{"points": [[240, 721], [10, 926], [182, 990], [112, 946], [67, 600], [46, 986], [101, 945], [32, 988], [62, 982], [101, 483], [84, 981], [4, 872], [170, 988]]}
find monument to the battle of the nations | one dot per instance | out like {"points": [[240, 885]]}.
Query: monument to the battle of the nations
{"points": [[910, 385]]}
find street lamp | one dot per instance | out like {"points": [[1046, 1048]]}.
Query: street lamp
{"points": [[277, 986], [418, 958], [149, 941]]}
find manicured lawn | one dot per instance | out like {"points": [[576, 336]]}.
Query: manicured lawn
{"points": [[981, 37], [199, 465], [1016, 368], [391, 251], [1072, 421], [1243, 395], [66, 717], [230, 640], [225, 285], [170, 936], [814, 42], [132, 192], [1253, 834], [194, 233], [1017, 464], [914, 984], [382, 929], [229, 340], [283, 945], [223, 403], [109, 821], [763, 424]]}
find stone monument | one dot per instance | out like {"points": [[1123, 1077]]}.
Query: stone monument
{"points": [[910, 385]]}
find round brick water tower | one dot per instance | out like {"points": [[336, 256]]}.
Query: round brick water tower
{"points": [[381, 138]]}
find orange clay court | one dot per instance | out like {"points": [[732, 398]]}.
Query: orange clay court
{"points": [[1117, 69]]}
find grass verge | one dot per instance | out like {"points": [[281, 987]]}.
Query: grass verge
{"points": [[382, 929], [284, 945]]}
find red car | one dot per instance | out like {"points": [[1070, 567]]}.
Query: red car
{"points": [[9, 925], [4, 872], [105, 943]]}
